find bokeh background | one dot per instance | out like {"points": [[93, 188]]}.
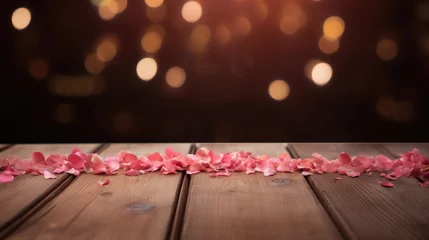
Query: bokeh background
{"points": [[215, 70]]}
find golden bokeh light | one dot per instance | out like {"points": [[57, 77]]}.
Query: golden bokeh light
{"points": [[64, 113], [108, 9], [309, 67], [199, 38], [242, 25], [321, 73], [328, 45], [386, 49], [76, 86], [293, 19], [21, 18], [175, 77], [122, 122], [106, 50], [151, 42], [223, 35], [333, 27], [154, 3], [146, 69], [93, 64], [278, 90], [39, 68], [96, 2], [192, 11], [122, 5], [157, 29], [156, 15], [261, 10]]}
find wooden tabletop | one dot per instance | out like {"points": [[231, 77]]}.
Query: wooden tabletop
{"points": [[180, 206]]}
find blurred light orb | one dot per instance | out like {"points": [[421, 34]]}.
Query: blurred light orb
{"points": [[39, 68], [278, 90], [223, 35], [159, 29], [107, 10], [151, 42], [122, 5], [309, 67], [328, 45], [192, 11], [321, 73], [200, 36], [293, 18], [21, 18], [106, 50], [156, 15], [96, 2], [146, 69], [154, 3], [175, 77], [93, 64], [333, 27], [386, 49], [261, 10], [242, 25]]}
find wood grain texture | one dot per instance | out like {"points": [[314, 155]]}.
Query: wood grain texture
{"points": [[362, 208], [400, 148], [18, 194], [253, 206], [138, 207]]}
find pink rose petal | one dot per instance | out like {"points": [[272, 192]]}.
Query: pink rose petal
{"points": [[104, 182], [305, 173], [4, 178], [386, 184], [49, 175], [338, 178]]}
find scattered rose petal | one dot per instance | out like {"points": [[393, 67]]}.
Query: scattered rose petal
{"points": [[338, 178], [369, 174], [425, 184], [49, 175], [4, 178], [104, 182], [304, 173], [386, 184]]}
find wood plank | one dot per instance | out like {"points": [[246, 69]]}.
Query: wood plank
{"points": [[361, 207], [253, 206], [138, 207], [400, 148], [25, 190]]}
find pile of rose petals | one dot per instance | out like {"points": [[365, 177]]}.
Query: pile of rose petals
{"points": [[410, 164]]}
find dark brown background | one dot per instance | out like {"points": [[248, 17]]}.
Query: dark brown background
{"points": [[225, 95]]}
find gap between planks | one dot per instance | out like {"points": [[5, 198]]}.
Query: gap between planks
{"points": [[294, 154], [38, 203], [176, 223]]}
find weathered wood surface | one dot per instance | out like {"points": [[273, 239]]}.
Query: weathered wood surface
{"points": [[363, 209], [400, 148], [27, 189], [253, 206], [130, 207]]}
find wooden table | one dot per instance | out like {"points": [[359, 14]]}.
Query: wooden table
{"points": [[155, 206]]}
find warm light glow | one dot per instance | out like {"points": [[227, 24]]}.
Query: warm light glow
{"points": [[279, 90], [397, 110], [321, 74], [107, 9], [175, 77], [293, 19], [192, 11], [21, 18], [333, 27], [156, 15], [154, 3], [64, 113], [200, 36], [146, 69], [261, 10], [96, 2], [39, 68], [157, 29], [122, 5], [328, 45], [309, 68], [223, 35], [387, 49], [122, 122], [242, 25], [93, 64], [151, 42], [106, 50]]}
